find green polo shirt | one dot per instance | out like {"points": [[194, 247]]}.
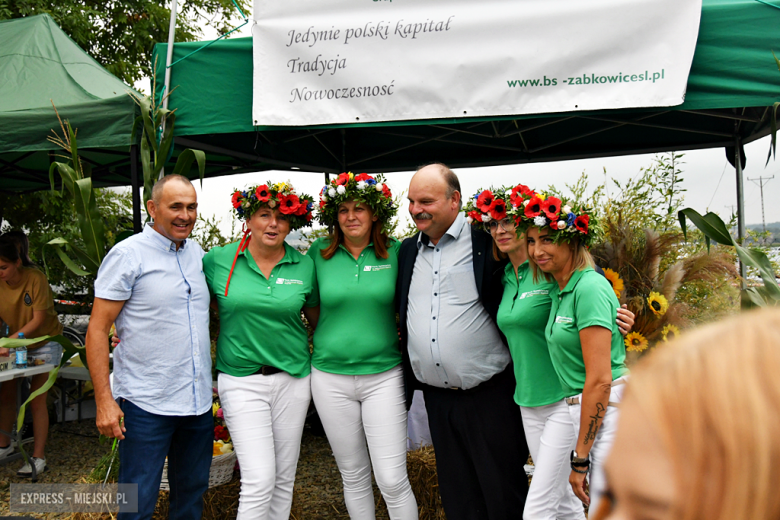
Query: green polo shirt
{"points": [[357, 333], [587, 300], [260, 319], [522, 317]]}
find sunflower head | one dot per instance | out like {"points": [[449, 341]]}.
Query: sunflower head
{"points": [[615, 281], [636, 342], [670, 332], [657, 303]]}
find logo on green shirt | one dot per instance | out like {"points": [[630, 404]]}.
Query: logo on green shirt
{"points": [[288, 281], [376, 267], [563, 319], [537, 292]]}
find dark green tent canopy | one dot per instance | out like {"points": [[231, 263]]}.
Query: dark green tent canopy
{"points": [[732, 83], [39, 65]]}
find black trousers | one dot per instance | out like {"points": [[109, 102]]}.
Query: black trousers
{"points": [[480, 449]]}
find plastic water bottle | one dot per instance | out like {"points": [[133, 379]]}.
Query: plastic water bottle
{"points": [[21, 354]]}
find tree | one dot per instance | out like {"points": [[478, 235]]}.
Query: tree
{"points": [[121, 34]]}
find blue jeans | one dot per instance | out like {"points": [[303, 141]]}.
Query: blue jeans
{"points": [[187, 442]]}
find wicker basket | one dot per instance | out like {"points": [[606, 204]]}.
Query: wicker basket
{"points": [[221, 471]]}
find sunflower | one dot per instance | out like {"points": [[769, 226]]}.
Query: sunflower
{"points": [[636, 342], [657, 303], [615, 281], [670, 332]]}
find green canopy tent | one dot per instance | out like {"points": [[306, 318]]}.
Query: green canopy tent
{"points": [[732, 83], [41, 65], [732, 86]]}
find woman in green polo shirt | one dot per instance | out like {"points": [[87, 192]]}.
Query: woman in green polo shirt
{"points": [[260, 286], [584, 342], [356, 379], [522, 318]]}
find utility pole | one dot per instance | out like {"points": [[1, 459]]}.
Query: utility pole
{"points": [[761, 184]]}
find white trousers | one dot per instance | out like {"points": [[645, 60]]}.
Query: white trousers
{"points": [[601, 445], [367, 409], [550, 438], [265, 416]]}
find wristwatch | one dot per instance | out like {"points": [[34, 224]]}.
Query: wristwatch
{"points": [[579, 461]]}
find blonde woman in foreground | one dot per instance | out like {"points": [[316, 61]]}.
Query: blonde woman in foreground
{"points": [[699, 434]]}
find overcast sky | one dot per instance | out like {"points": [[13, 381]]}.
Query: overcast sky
{"points": [[709, 179]]}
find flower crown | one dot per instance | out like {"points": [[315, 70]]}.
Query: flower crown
{"points": [[565, 219], [281, 195], [361, 188], [493, 204]]}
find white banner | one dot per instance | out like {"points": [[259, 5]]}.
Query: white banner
{"points": [[342, 61]]}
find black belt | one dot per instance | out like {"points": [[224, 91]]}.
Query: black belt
{"points": [[268, 370]]}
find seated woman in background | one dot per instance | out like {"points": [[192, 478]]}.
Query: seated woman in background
{"points": [[698, 434], [26, 306]]}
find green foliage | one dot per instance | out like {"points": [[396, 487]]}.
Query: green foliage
{"points": [[157, 125], [207, 233], [715, 229], [46, 215], [121, 34], [76, 179]]}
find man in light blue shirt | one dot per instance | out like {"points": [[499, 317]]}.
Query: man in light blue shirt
{"points": [[153, 288]]}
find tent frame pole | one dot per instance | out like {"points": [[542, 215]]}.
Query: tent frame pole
{"points": [[169, 57], [168, 60], [136, 187], [740, 202]]}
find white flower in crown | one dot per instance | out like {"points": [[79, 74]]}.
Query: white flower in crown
{"points": [[362, 185], [331, 192], [378, 187], [561, 224], [514, 207], [272, 203], [324, 197], [469, 220], [526, 201], [341, 190], [508, 193], [486, 218], [566, 209], [540, 221]]}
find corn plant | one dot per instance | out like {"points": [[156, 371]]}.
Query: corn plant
{"points": [[715, 229], [76, 179], [157, 125]]}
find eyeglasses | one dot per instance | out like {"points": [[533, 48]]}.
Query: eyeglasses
{"points": [[507, 224]]}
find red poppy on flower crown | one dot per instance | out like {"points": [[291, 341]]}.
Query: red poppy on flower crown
{"points": [[386, 191], [484, 201], [362, 177], [342, 179], [534, 207], [302, 208], [263, 193], [515, 198], [498, 209], [551, 207], [288, 204], [235, 200], [581, 223], [475, 215]]}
